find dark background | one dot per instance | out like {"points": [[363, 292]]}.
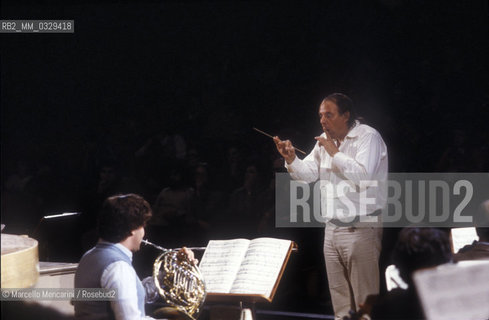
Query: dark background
{"points": [[209, 71]]}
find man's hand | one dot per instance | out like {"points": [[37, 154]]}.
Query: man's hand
{"points": [[189, 254], [328, 144], [286, 149]]}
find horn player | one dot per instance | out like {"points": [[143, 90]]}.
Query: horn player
{"points": [[109, 264]]}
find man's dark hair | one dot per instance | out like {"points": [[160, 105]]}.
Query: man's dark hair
{"points": [[418, 248], [345, 104], [122, 214]]}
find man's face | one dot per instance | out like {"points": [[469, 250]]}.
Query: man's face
{"points": [[335, 125], [138, 237]]}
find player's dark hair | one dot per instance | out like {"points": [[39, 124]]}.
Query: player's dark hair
{"points": [[122, 214]]}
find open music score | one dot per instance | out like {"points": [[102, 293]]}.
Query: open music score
{"points": [[244, 269], [454, 291]]}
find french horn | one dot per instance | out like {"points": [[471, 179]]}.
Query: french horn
{"points": [[178, 281]]}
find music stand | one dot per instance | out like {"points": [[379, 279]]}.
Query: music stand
{"points": [[58, 236]]}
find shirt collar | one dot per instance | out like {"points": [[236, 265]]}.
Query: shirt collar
{"points": [[126, 251], [354, 131]]}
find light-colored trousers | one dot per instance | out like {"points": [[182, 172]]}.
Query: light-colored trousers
{"points": [[352, 265]]}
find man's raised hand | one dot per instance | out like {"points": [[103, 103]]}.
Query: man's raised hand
{"points": [[286, 149], [328, 144]]}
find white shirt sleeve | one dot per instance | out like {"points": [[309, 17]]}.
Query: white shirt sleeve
{"points": [[306, 170], [121, 276], [366, 161]]}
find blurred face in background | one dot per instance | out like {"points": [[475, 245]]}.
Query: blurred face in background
{"points": [[251, 176]]}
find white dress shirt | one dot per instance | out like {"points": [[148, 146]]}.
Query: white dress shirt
{"points": [[344, 178], [122, 276]]}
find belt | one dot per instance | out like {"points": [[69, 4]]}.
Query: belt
{"points": [[356, 220]]}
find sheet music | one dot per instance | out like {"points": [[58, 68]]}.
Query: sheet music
{"points": [[462, 237], [456, 291], [261, 266], [220, 263]]}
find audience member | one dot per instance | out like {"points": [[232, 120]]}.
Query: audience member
{"points": [[207, 203], [172, 209], [109, 181], [21, 205], [456, 157], [231, 173], [156, 158], [244, 208], [267, 200]]}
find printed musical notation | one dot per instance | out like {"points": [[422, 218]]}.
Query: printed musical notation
{"points": [[261, 266], [221, 262], [454, 291], [243, 266]]}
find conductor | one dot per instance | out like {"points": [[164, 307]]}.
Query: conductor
{"points": [[352, 152]]}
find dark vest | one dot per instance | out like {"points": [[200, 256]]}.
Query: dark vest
{"points": [[88, 275]]}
